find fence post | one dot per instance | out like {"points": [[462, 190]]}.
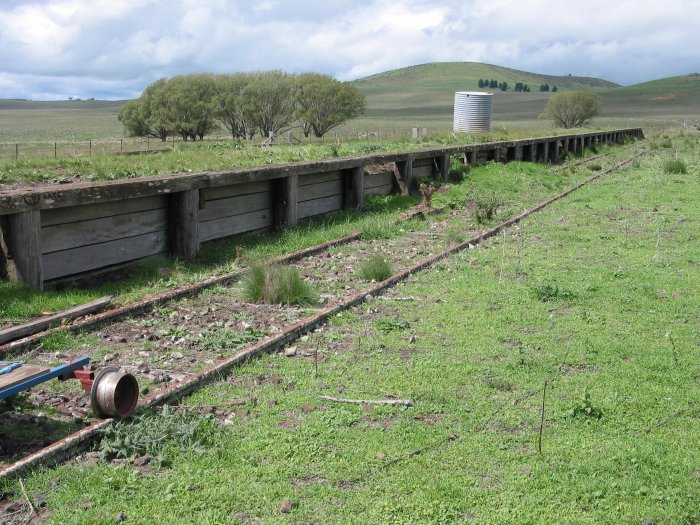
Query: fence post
{"points": [[16, 151], [90, 155], [55, 150]]}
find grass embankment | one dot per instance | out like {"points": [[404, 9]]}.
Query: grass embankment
{"points": [[597, 295], [519, 185]]}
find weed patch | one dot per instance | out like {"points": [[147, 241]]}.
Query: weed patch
{"points": [[161, 436]]}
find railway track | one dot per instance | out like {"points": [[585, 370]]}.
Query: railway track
{"points": [[196, 334]]}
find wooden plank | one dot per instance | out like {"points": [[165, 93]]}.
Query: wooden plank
{"points": [[423, 171], [102, 210], [379, 179], [320, 206], [84, 233], [184, 224], [422, 162], [284, 203], [25, 249], [226, 226], [354, 189], [20, 374], [235, 190], [85, 258], [42, 323], [320, 190], [316, 178], [387, 189], [235, 206]]}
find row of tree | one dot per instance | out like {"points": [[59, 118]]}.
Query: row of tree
{"points": [[246, 104], [503, 86], [519, 86]]}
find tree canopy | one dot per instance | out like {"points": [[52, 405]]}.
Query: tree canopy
{"points": [[572, 109], [245, 103], [322, 103]]}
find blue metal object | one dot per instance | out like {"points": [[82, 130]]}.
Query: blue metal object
{"points": [[9, 366], [57, 371]]}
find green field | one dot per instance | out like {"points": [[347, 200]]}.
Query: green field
{"points": [[417, 96], [597, 295]]}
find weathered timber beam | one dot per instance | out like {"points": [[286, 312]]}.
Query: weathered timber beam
{"points": [[37, 325], [184, 224], [25, 235], [354, 188], [285, 198]]}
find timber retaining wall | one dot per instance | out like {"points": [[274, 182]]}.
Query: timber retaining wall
{"points": [[60, 231]]}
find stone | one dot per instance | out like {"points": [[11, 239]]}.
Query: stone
{"points": [[290, 351], [286, 506]]}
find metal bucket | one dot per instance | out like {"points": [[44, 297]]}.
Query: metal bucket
{"points": [[114, 394]]}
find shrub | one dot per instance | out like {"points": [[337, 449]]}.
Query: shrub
{"points": [[572, 109], [376, 268], [276, 284], [458, 170], [486, 207], [675, 166], [585, 408]]}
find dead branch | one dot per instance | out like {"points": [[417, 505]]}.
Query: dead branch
{"points": [[403, 402]]}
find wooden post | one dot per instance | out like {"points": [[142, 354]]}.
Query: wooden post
{"points": [[25, 247], [403, 172], [533, 152], [285, 202], [518, 156], [545, 151], [472, 156], [184, 231], [354, 188], [443, 164], [554, 152]]}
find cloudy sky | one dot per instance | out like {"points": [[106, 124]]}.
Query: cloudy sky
{"points": [[113, 49]]}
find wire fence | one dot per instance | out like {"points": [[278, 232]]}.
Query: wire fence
{"points": [[137, 146]]}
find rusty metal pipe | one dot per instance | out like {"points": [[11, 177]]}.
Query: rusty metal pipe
{"points": [[114, 394]]}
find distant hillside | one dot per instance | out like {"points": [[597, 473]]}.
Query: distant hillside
{"points": [[425, 93], [464, 76], [677, 96], [14, 103]]}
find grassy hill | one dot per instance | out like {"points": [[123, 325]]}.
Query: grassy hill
{"points": [[424, 95]]}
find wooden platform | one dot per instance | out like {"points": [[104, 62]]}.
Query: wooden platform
{"points": [[20, 374]]}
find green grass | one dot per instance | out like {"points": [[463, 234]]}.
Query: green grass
{"points": [[617, 264]]}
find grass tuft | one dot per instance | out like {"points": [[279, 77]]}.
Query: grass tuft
{"points": [[675, 166], [376, 268], [276, 284]]}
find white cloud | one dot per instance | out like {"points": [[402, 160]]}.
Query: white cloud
{"points": [[115, 48]]}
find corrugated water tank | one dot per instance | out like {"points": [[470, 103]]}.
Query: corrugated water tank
{"points": [[472, 111]]}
